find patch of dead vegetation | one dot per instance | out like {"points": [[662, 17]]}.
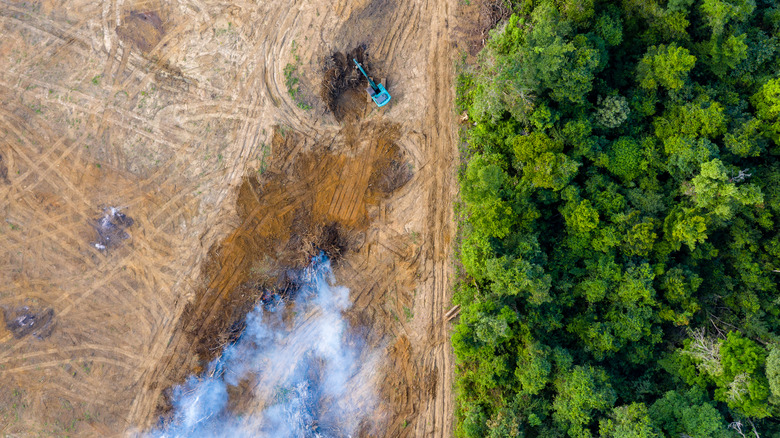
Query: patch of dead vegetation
{"points": [[491, 13], [475, 22]]}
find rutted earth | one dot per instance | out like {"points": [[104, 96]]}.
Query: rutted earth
{"points": [[178, 116]]}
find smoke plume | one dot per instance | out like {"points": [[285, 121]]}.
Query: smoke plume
{"points": [[302, 372]]}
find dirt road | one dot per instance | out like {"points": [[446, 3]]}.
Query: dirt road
{"points": [[166, 110]]}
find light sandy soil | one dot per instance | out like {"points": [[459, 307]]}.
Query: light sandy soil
{"points": [[179, 114]]}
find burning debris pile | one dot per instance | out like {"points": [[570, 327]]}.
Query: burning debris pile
{"points": [[340, 77], [111, 228], [23, 321], [297, 371]]}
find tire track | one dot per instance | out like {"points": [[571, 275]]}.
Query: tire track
{"points": [[151, 280], [436, 407], [62, 351], [57, 363], [44, 165]]}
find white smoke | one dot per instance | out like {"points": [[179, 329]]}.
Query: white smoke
{"points": [[308, 377]]}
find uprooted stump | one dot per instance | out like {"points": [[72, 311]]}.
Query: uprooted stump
{"points": [[342, 84]]}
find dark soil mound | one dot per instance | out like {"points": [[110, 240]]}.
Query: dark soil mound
{"points": [[342, 83]]}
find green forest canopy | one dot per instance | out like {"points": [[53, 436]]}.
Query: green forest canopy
{"points": [[619, 248]]}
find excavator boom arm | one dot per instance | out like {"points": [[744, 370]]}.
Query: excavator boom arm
{"points": [[378, 93], [373, 85]]}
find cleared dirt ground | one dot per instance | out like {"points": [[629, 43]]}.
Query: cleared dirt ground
{"points": [[179, 114]]}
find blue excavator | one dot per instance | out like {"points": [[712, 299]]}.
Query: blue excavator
{"points": [[378, 93]]}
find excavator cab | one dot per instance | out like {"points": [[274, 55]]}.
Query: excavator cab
{"points": [[378, 93]]}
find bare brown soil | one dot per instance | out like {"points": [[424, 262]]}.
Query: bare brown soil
{"points": [[178, 115], [301, 205], [473, 23]]}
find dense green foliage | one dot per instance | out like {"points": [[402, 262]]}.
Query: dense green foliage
{"points": [[619, 248]]}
